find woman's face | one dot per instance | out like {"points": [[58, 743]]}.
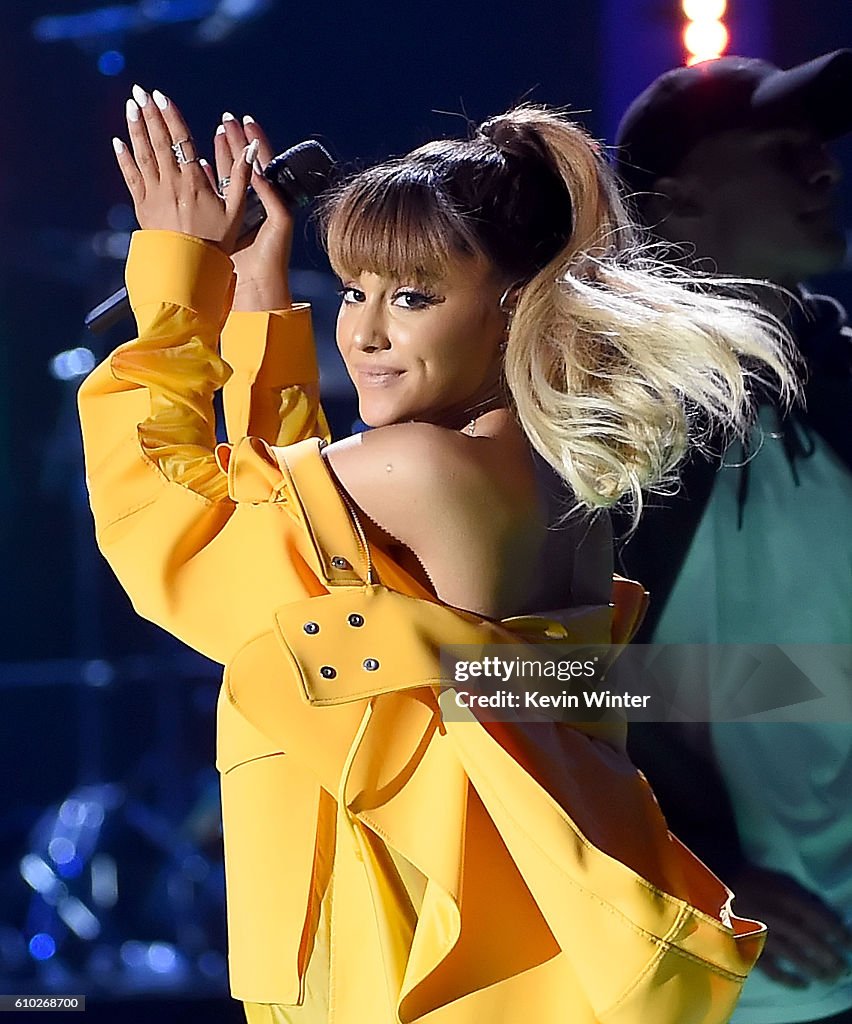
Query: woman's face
{"points": [[418, 352]]}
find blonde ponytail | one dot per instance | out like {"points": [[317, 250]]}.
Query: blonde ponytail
{"points": [[616, 361]]}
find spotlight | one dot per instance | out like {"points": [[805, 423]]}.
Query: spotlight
{"points": [[705, 35]]}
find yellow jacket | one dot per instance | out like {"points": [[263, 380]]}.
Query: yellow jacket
{"points": [[472, 874]]}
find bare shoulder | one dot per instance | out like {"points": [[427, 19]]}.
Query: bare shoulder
{"points": [[401, 437], [394, 473], [451, 500]]}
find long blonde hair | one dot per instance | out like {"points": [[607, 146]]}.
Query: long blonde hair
{"points": [[614, 360]]}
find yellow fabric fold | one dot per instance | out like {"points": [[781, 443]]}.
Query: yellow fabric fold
{"points": [[166, 268], [274, 391]]}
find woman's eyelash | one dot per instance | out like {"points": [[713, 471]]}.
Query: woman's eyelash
{"points": [[417, 296], [421, 297]]}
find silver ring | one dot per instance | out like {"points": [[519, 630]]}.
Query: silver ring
{"points": [[223, 184], [180, 155]]}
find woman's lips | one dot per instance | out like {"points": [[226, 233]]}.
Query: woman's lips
{"points": [[377, 378]]}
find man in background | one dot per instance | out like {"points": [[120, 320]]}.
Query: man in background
{"points": [[727, 160]]}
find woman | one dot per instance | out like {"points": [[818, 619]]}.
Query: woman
{"points": [[387, 862]]}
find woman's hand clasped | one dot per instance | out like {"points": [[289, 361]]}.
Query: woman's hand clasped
{"points": [[261, 262], [170, 188], [173, 189]]}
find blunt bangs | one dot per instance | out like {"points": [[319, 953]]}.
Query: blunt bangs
{"points": [[394, 220]]}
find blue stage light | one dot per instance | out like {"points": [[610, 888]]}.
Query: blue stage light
{"points": [[74, 363], [133, 953], [61, 849], [70, 869], [72, 813], [238, 8], [162, 957], [42, 946], [111, 62], [79, 918]]}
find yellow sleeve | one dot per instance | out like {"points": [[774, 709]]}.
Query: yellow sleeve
{"points": [[274, 390], [202, 565]]}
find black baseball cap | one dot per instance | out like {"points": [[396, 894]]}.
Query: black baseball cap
{"points": [[688, 104]]}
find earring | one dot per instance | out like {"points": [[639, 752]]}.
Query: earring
{"points": [[508, 310]]}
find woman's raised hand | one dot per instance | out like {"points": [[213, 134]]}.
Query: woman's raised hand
{"points": [[261, 262], [170, 188]]}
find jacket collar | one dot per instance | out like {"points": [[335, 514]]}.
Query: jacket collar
{"points": [[343, 558]]}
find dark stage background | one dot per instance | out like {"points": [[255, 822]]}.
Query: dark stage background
{"points": [[107, 725]]}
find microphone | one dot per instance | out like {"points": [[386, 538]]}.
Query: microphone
{"points": [[299, 174]]}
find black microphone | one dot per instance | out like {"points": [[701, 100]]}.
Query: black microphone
{"points": [[299, 174]]}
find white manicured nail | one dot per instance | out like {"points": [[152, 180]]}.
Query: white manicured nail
{"points": [[118, 146], [227, 116], [256, 167], [220, 130], [132, 111], [161, 101], [139, 95], [251, 152], [203, 163], [248, 119]]}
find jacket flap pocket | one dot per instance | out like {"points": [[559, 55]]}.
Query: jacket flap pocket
{"points": [[358, 643]]}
